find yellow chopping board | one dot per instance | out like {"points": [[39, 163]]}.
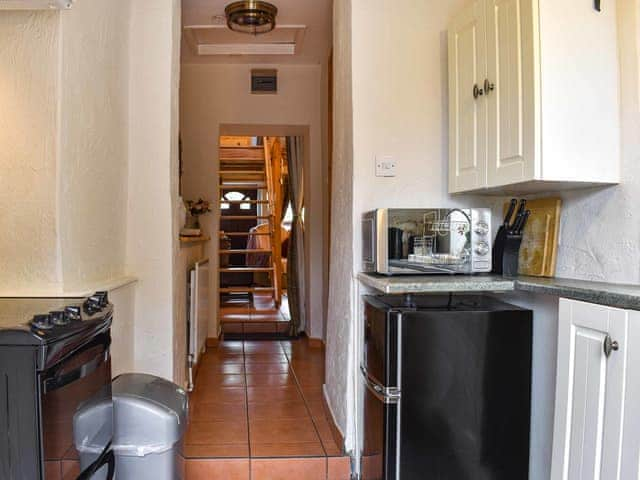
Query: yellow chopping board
{"points": [[539, 249]]}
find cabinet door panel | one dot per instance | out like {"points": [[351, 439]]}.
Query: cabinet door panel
{"points": [[589, 393], [511, 109], [467, 115]]}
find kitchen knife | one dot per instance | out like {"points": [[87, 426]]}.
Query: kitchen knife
{"points": [[521, 208], [507, 218], [522, 222]]}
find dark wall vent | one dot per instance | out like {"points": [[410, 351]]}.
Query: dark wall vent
{"points": [[264, 81]]}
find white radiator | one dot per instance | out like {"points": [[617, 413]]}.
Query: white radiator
{"points": [[198, 318]]}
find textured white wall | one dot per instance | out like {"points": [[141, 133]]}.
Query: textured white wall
{"points": [[28, 88], [94, 105], [340, 323], [151, 240], [214, 95]]}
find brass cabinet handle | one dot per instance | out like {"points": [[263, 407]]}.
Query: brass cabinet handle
{"points": [[477, 91], [488, 86]]}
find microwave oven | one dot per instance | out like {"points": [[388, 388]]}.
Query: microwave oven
{"points": [[409, 241]]}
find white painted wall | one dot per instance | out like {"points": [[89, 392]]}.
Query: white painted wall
{"points": [[28, 142], [340, 324], [122, 340], [93, 140], [215, 95], [151, 239]]}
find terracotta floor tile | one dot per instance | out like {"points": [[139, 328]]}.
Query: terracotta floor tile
{"points": [[273, 450], [270, 380], [224, 358], [220, 368], [266, 358], [274, 410], [221, 380], [217, 433], [217, 451], [52, 470], [217, 469], [262, 347], [338, 468], [266, 368], [70, 469], [282, 430], [218, 395], [230, 347], [212, 412], [326, 437], [273, 394], [312, 392], [289, 469]]}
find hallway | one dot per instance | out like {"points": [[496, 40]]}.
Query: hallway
{"points": [[258, 413]]}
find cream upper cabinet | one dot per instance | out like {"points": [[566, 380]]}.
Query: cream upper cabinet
{"points": [[546, 114], [595, 402], [468, 121]]}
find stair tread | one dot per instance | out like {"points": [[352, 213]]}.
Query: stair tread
{"points": [[245, 269], [239, 250], [245, 289], [245, 234]]}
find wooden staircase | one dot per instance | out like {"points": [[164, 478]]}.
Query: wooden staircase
{"points": [[252, 168]]}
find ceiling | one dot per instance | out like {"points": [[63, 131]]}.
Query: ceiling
{"points": [[303, 34]]}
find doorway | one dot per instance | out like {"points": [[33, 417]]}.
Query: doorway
{"points": [[256, 221]]}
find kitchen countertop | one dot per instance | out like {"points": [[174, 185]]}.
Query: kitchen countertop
{"points": [[609, 294]]}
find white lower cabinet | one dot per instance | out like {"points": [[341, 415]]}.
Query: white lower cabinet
{"points": [[596, 427]]}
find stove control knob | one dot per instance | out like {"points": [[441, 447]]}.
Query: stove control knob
{"points": [[72, 312], [93, 304], [482, 229], [43, 322], [482, 248], [59, 319], [104, 298]]}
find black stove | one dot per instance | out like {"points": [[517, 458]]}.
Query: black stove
{"points": [[54, 355]]}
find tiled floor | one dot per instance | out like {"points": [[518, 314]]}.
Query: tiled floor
{"points": [[257, 413]]}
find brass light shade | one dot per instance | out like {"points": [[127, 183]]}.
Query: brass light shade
{"points": [[251, 16]]}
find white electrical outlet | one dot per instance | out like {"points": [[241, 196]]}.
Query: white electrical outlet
{"points": [[385, 166]]}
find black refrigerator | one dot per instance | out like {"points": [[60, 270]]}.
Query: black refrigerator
{"points": [[446, 389]]}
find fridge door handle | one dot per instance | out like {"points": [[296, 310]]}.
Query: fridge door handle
{"points": [[385, 395]]}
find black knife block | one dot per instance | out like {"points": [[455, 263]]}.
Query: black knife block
{"points": [[506, 251]]}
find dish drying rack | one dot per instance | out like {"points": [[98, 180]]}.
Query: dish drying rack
{"points": [[424, 253]]}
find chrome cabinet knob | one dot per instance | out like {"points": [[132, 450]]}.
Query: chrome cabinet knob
{"points": [[610, 346]]}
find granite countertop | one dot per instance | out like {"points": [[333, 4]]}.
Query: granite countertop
{"points": [[610, 294]]}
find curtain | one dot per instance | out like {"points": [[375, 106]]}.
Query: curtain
{"points": [[295, 254]]}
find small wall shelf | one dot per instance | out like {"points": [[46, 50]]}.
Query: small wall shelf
{"points": [[193, 240]]}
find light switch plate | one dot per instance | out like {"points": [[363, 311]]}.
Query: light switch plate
{"points": [[385, 166]]}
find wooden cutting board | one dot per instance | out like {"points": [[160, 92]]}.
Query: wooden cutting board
{"points": [[539, 249]]}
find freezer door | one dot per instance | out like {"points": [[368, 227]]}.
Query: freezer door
{"points": [[379, 454], [381, 346]]}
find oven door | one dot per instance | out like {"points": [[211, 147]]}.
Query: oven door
{"points": [[82, 375]]}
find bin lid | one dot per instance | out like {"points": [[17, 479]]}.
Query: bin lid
{"points": [[150, 414]]}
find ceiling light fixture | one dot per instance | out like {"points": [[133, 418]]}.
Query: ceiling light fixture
{"points": [[251, 16]]}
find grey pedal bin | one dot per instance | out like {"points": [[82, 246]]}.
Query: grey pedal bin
{"points": [[149, 421]]}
